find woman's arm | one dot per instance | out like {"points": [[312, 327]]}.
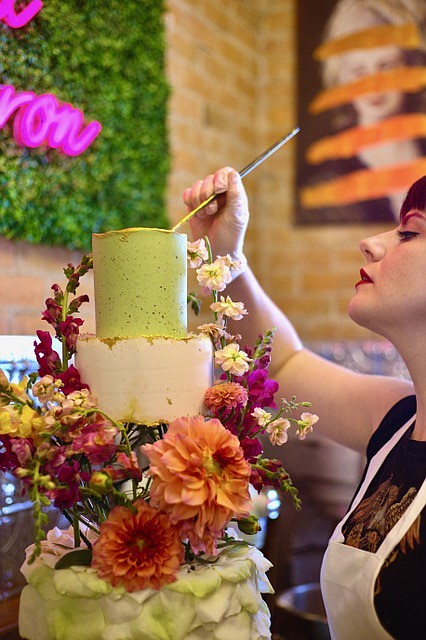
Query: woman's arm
{"points": [[350, 405]]}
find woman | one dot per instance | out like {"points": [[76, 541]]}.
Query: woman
{"points": [[374, 583]]}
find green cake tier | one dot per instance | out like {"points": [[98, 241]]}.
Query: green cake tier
{"points": [[140, 283]]}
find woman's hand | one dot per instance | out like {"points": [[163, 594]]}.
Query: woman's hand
{"points": [[224, 221]]}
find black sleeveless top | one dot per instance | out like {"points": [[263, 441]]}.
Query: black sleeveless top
{"points": [[400, 590]]}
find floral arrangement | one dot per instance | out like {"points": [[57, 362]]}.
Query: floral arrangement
{"points": [[136, 524]]}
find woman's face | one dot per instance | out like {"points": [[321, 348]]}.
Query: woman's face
{"points": [[390, 296], [359, 63]]}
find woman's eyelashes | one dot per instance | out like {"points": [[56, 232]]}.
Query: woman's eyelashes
{"points": [[407, 235]]}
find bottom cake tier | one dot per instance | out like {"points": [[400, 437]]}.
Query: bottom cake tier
{"points": [[147, 379], [216, 601]]}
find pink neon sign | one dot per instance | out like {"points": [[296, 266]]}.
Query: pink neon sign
{"points": [[18, 19], [43, 120]]}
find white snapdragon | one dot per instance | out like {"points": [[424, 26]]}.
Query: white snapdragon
{"points": [[72, 407], [306, 422], [261, 416], [231, 359], [82, 398], [45, 389], [277, 430], [236, 266], [226, 307], [215, 275], [197, 253], [215, 331]]}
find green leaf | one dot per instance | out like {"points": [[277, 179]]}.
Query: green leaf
{"points": [[76, 557], [114, 71]]}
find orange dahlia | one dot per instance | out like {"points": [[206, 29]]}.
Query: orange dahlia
{"points": [[200, 478], [138, 549], [225, 395]]}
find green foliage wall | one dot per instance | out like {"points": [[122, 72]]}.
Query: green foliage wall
{"points": [[107, 59]]}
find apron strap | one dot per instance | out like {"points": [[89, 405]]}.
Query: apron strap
{"points": [[375, 464]]}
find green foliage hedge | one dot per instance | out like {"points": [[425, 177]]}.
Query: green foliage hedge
{"points": [[107, 59]]}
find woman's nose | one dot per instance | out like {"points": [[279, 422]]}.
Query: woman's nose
{"points": [[373, 248]]}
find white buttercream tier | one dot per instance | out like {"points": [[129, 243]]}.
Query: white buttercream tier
{"points": [[147, 379], [219, 601]]}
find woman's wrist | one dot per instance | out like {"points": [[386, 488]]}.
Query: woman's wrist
{"points": [[239, 265]]}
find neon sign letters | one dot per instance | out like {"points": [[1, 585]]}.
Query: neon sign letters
{"points": [[14, 19], [42, 119]]}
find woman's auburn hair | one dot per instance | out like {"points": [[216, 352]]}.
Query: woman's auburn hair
{"points": [[415, 198]]}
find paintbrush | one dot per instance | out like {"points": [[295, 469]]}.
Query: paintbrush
{"points": [[243, 173]]}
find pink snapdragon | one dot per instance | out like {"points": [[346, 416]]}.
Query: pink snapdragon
{"points": [[23, 448], [130, 464], [261, 388], [96, 441]]}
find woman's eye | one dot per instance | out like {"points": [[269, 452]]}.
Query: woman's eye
{"points": [[406, 235]]}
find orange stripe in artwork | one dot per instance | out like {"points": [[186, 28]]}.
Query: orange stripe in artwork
{"points": [[406, 36], [408, 79], [359, 186], [348, 143]]}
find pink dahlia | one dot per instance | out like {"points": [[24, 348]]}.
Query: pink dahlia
{"points": [[225, 395], [138, 549], [200, 478]]}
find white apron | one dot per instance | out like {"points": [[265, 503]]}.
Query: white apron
{"points": [[348, 574]]}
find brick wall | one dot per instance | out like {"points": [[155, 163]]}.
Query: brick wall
{"points": [[231, 69], [310, 272]]}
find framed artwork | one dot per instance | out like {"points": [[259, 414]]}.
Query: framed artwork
{"points": [[361, 81]]}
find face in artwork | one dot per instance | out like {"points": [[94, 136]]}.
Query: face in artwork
{"points": [[360, 63]]}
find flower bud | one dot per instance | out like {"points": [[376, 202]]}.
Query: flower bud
{"points": [[249, 525], [20, 472], [4, 381], [101, 483]]}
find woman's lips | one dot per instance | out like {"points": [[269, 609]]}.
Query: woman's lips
{"points": [[365, 278]]}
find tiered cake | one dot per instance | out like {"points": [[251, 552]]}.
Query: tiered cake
{"points": [[142, 365]]}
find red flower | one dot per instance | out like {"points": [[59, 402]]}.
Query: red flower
{"points": [[48, 360], [53, 312], [72, 381], [252, 447], [138, 550], [268, 473], [69, 477], [69, 328]]}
